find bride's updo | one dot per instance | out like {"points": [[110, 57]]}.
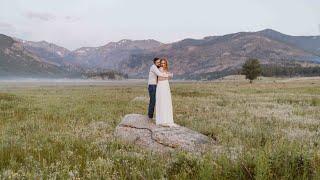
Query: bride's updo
{"points": [[164, 61]]}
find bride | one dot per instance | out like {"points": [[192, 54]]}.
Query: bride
{"points": [[164, 114]]}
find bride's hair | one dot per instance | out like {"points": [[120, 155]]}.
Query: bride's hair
{"points": [[167, 63]]}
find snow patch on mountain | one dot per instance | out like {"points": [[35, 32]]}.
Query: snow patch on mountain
{"points": [[59, 53]]}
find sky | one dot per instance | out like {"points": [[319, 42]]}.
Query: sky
{"points": [[89, 23]]}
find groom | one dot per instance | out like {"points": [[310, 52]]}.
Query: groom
{"points": [[152, 84]]}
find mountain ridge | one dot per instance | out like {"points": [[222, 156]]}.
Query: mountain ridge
{"points": [[17, 61], [188, 57]]}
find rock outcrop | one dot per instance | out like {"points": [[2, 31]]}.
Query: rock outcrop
{"points": [[139, 130]]}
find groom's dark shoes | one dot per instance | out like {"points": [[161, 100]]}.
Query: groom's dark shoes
{"points": [[152, 94]]}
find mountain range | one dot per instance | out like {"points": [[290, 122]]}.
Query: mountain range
{"points": [[16, 61], [189, 58]]}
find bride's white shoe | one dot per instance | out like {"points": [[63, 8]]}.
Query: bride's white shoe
{"points": [[164, 125]]}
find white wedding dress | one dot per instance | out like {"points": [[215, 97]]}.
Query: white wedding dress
{"points": [[164, 113]]}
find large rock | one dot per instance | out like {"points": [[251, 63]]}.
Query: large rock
{"points": [[139, 130]]}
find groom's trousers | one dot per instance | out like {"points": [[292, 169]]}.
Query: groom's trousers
{"points": [[152, 94]]}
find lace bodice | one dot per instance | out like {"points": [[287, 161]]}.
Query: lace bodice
{"points": [[164, 78]]}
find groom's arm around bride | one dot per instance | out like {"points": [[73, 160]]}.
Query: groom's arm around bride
{"points": [[152, 84]]}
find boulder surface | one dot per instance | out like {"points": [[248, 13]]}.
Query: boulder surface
{"points": [[138, 129]]}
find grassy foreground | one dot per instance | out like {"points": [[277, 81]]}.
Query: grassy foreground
{"points": [[266, 130]]}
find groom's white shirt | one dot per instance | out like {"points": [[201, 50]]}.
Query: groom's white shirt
{"points": [[154, 73]]}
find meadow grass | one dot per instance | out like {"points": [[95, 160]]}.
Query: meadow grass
{"points": [[265, 130]]}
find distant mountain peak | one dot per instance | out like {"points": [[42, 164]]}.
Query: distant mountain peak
{"points": [[45, 42], [268, 30], [125, 41], [271, 32], [4, 36], [6, 41]]}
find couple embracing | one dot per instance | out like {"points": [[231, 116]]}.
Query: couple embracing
{"points": [[159, 92]]}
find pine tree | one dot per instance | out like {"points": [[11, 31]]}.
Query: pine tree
{"points": [[251, 69]]}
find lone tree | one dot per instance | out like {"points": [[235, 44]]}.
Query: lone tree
{"points": [[251, 69]]}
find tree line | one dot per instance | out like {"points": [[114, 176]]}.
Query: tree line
{"points": [[105, 74], [252, 69], [270, 70]]}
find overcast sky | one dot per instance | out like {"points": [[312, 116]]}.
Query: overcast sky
{"points": [[78, 23]]}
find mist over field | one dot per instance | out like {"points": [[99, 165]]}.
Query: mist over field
{"points": [[27, 82]]}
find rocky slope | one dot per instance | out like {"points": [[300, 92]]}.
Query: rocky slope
{"points": [[307, 43], [48, 51], [111, 55], [191, 57], [17, 61]]}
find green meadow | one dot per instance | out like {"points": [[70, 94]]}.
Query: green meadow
{"points": [[266, 130]]}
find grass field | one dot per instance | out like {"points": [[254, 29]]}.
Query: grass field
{"points": [[266, 130]]}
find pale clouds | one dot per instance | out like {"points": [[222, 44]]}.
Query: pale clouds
{"points": [[6, 27], [72, 19], [76, 23], [43, 16]]}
